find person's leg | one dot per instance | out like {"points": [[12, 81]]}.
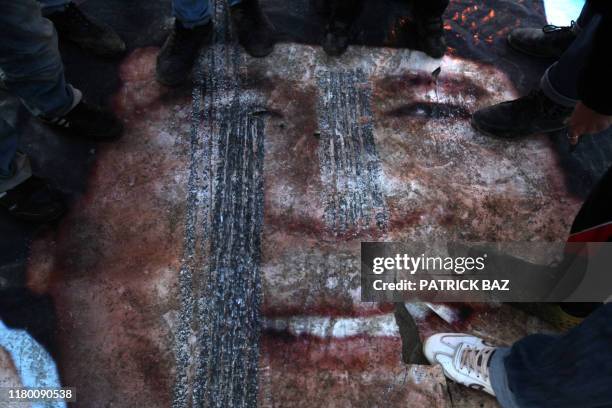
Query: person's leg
{"points": [[560, 81], [22, 195], [32, 70], [75, 26], [339, 28], [192, 28], [14, 167], [571, 370], [430, 9], [545, 109], [549, 41], [192, 13], [30, 59], [8, 148], [585, 16], [430, 26], [255, 32], [593, 223]]}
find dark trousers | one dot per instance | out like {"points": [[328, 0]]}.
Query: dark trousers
{"points": [[594, 220], [429, 8], [560, 81], [574, 369], [349, 9], [568, 371]]}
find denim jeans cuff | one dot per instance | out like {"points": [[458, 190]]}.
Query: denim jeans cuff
{"points": [[551, 92], [499, 379], [75, 97]]}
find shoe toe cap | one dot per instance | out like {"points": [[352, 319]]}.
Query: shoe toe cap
{"points": [[436, 344], [446, 344]]}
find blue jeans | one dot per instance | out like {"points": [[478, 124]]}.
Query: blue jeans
{"points": [[192, 13], [560, 81], [566, 371], [32, 70]]}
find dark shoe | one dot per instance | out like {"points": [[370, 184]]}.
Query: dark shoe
{"points": [[73, 25], [547, 42], [431, 36], [255, 31], [526, 116], [336, 38], [178, 54], [339, 29], [551, 313], [33, 200], [88, 121]]}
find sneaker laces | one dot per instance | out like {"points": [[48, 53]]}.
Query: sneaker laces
{"points": [[477, 360], [550, 28]]}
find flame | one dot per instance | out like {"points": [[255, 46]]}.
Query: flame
{"points": [[489, 16]]}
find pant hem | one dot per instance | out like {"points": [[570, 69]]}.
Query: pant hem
{"points": [[76, 98], [549, 90], [499, 379]]}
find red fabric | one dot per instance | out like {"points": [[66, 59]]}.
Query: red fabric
{"points": [[600, 233]]}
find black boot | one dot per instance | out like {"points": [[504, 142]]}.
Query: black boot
{"points": [[431, 36], [88, 121], [255, 31], [526, 116], [552, 313], [336, 38], [179, 52], [339, 29], [34, 201], [73, 25], [547, 42]]}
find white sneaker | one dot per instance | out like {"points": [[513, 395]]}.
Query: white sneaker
{"points": [[464, 358]]}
